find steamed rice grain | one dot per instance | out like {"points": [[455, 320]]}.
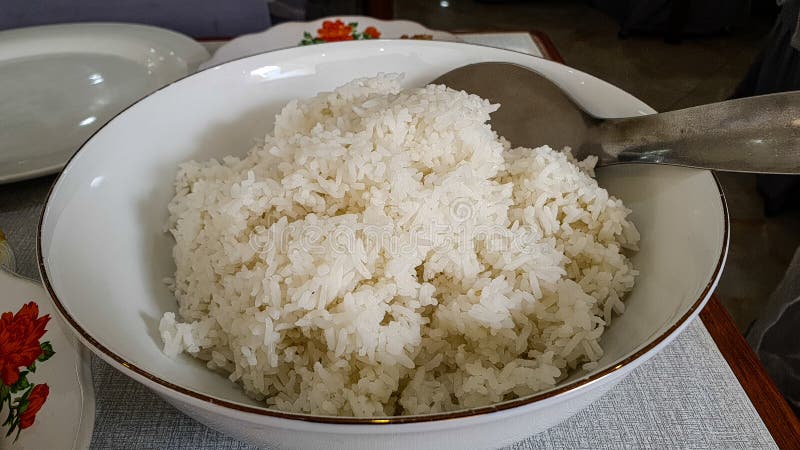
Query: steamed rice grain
{"points": [[384, 252]]}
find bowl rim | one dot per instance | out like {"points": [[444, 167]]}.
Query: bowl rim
{"points": [[135, 372]]}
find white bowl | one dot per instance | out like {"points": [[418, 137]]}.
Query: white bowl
{"points": [[103, 253]]}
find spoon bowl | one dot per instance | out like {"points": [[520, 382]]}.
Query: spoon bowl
{"points": [[757, 134]]}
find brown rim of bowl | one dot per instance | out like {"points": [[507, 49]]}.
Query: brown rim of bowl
{"points": [[123, 365]]}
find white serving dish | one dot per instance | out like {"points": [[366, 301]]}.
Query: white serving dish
{"points": [[60, 83], [66, 420], [103, 254], [289, 34]]}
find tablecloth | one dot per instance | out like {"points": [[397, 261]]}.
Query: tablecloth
{"points": [[685, 397]]}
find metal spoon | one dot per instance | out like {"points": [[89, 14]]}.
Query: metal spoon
{"points": [[756, 134]]}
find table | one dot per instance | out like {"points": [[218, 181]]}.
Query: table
{"points": [[706, 389]]}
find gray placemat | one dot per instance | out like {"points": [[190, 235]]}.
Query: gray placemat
{"points": [[685, 397]]}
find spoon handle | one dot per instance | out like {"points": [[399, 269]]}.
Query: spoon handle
{"points": [[755, 134]]}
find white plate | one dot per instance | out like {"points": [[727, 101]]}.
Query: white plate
{"points": [[60, 83], [66, 420], [289, 34]]}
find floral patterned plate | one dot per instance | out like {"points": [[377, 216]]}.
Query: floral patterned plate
{"points": [[291, 34], [52, 395]]}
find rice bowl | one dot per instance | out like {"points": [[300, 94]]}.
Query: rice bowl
{"points": [[109, 205]]}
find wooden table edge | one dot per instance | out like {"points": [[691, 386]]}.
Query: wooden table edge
{"points": [[775, 412]]}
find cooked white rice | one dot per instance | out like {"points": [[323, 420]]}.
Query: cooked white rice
{"points": [[384, 252]]}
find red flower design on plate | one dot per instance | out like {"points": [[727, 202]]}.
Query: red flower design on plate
{"points": [[35, 401], [20, 350], [372, 32], [19, 340], [337, 30], [334, 31]]}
